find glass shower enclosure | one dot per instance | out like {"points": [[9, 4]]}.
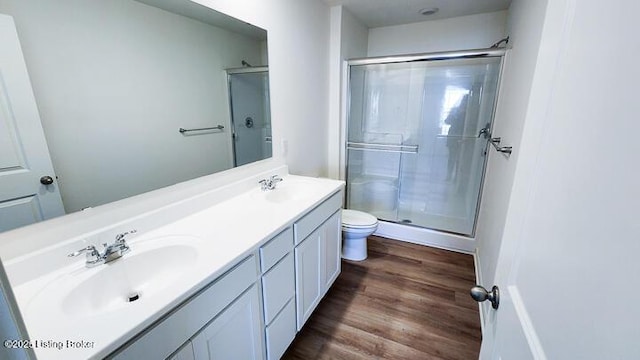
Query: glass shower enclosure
{"points": [[416, 139]]}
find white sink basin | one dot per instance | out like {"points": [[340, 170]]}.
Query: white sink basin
{"points": [[286, 191], [151, 266]]}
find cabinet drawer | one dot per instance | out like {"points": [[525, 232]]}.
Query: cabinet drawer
{"points": [[175, 329], [305, 226], [278, 287], [275, 249], [281, 332]]}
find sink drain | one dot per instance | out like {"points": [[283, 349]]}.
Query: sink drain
{"points": [[133, 297]]}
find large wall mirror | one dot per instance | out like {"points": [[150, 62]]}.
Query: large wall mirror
{"points": [[122, 97]]}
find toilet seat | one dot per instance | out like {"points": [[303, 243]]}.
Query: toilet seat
{"points": [[357, 219], [359, 227], [355, 228]]}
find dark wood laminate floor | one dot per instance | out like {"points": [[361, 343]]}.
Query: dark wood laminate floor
{"points": [[405, 301]]}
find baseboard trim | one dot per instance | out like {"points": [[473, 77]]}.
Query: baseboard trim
{"points": [[428, 237]]}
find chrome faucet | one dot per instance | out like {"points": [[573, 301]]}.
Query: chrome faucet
{"points": [[270, 184], [118, 248], [111, 251]]}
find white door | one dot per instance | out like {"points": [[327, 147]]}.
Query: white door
{"points": [[24, 156], [568, 268]]}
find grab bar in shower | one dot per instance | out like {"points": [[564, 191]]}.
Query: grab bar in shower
{"points": [[218, 127], [406, 149]]}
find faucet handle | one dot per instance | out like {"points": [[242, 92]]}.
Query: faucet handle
{"points": [[94, 257], [120, 243], [120, 238], [276, 178], [92, 251], [264, 184]]}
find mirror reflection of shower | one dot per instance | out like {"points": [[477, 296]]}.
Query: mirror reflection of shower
{"points": [[250, 113]]}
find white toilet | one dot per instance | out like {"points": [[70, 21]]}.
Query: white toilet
{"points": [[356, 226]]}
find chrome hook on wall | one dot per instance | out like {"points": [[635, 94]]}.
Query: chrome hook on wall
{"points": [[503, 149]]}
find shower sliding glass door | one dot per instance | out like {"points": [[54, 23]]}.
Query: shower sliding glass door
{"points": [[414, 154]]}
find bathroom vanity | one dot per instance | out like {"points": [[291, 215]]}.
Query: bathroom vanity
{"points": [[235, 280]]}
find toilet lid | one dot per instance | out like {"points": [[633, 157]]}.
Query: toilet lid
{"points": [[353, 218]]}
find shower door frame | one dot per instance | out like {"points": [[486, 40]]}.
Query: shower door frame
{"points": [[433, 56], [234, 71]]}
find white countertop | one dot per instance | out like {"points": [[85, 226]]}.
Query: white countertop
{"points": [[225, 233]]}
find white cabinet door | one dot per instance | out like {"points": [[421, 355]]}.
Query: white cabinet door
{"points": [[308, 272], [234, 334], [317, 266], [332, 243]]}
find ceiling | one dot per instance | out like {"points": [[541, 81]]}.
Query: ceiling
{"points": [[377, 13]]}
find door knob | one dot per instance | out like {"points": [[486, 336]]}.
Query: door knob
{"points": [[480, 294], [46, 180]]}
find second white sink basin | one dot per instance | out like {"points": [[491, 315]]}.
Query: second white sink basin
{"points": [[135, 278]]}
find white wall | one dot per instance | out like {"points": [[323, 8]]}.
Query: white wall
{"points": [[525, 23], [114, 81], [348, 40], [298, 32], [459, 33], [355, 37]]}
